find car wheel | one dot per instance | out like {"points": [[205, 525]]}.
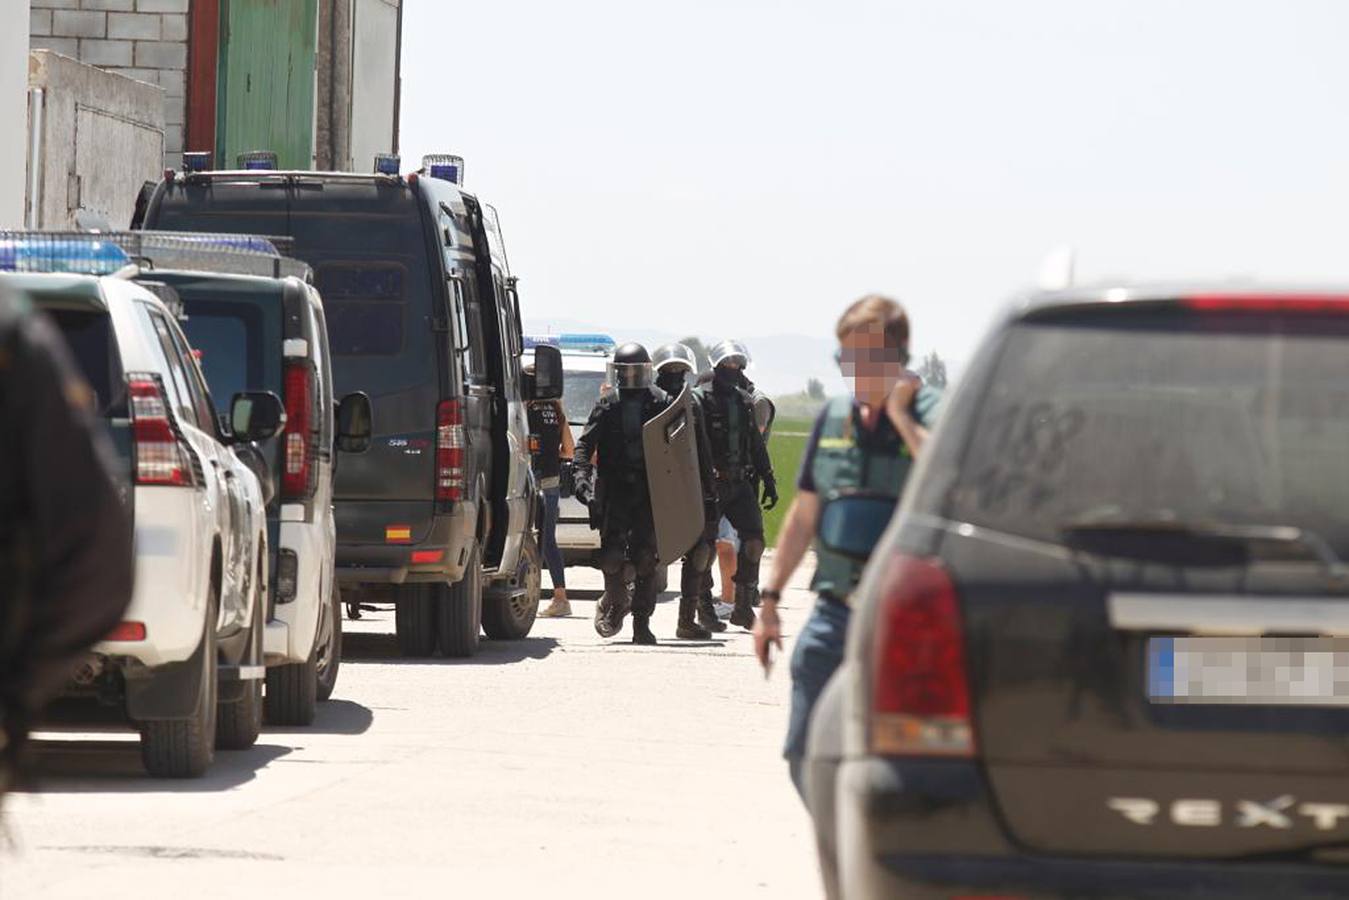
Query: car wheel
{"points": [[292, 692], [459, 609], [185, 748], [415, 619], [509, 615], [239, 722], [330, 645]]}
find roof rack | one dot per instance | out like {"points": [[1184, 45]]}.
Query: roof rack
{"points": [[230, 254]]}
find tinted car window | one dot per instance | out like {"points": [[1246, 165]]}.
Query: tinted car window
{"points": [[1235, 418], [229, 337], [89, 335]]}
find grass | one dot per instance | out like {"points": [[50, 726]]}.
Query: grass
{"points": [[786, 447]]}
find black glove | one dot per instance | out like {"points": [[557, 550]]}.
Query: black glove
{"points": [[583, 488], [770, 492]]}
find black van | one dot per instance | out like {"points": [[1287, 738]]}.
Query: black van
{"points": [[439, 516]]}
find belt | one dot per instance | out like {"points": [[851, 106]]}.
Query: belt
{"points": [[735, 476]]}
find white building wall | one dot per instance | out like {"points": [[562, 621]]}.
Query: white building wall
{"points": [[373, 80], [13, 111]]}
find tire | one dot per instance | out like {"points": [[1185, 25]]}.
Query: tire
{"points": [[239, 723], [509, 616], [185, 748], [459, 610], [330, 646], [415, 619]]}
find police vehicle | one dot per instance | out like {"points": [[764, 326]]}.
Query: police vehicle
{"points": [[439, 516], [1100, 651], [186, 665], [256, 323]]}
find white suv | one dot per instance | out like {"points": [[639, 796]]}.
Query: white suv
{"points": [[187, 661]]}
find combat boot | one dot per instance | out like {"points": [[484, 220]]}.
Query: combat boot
{"points": [[743, 614], [688, 629], [610, 612], [641, 630], [707, 614]]}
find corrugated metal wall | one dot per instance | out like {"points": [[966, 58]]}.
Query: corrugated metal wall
{"points": [[265, 89]]}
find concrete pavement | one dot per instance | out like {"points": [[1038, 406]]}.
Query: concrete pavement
{"points": [[559, 766]]}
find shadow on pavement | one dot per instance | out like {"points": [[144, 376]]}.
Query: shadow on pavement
{"points": [[60, 766], [363, 648], [345, 717]]}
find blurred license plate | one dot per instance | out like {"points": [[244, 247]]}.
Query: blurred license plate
{"points": [[1287, 671]]}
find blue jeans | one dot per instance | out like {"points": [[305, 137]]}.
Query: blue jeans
{"points": [[552, 554], [818, 653]]}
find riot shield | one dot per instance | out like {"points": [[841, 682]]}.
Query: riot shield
{"points": [[671, 446]]}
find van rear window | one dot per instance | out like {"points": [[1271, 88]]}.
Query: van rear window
{"points": [[364, 302]]}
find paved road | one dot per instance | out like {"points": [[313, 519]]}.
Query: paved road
{"points": [[560, 766]]}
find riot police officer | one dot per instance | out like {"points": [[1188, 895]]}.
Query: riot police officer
{"points": [[741, 462], [619, 498], [674, 364]]}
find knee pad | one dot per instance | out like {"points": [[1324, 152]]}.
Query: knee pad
{"points": [[610, 561], [752, 548], [701, 557], [644, 565]]}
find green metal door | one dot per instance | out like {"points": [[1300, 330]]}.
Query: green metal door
{"points": [[265, 82]]}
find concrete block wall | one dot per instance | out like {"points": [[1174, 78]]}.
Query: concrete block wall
{"points": [[141, 39]]}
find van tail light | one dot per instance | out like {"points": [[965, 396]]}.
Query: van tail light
{"points": [[297, 440], [920, 700], [450, 451], [162, 456], [1334, 304]]}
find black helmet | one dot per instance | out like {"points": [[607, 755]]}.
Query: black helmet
{"points": [[631, 368]]}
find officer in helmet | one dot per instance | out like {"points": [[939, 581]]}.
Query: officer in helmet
{"points": [[610, 467], [741, 463], [675, 364]]}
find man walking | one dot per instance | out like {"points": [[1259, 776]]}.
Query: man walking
{"points": [[620, 498], [865, 442], [741, 462]]}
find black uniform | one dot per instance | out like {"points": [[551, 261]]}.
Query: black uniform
{"points": [[621, 506], [697, 563], [66, 559], [741, 460]]}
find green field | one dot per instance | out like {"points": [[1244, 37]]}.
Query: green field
{"points": [[786, 447]]}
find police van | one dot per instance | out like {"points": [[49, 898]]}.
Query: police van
{"points": [[439, 516]]}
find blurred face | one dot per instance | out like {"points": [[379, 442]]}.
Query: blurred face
{"points": [[870, 366]]}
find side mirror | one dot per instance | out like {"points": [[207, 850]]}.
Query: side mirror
{"points": [[256, 416], [851, 524], [355, 423], [547, 374]]}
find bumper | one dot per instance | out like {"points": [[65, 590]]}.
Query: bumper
{"points": [[927, 829], [172, 580], [452, 533]]}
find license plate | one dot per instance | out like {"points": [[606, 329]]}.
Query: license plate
{"points": [[1281, 671]]}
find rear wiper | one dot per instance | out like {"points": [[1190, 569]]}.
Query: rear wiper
{"points": [[1240, 537]]}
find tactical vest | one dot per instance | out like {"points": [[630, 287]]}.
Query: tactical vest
{"points": [[730, 445], [841, 463]]}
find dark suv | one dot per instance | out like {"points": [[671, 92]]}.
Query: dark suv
{"points": [[439, 515], [1101, 649]]}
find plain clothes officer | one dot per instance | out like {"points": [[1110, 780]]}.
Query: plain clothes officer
{"points": [[620, 498], [66, 560], [675, 363], [550, 442], [865, 442], [741, 461]]}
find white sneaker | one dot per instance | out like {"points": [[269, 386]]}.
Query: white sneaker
{"points": [[724, 610]]}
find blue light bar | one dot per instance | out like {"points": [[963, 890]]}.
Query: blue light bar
{"points": [[582, 341], [388, 164], [444, 166], [197, 161], [44, 254], [540, 340], [260, 160]]}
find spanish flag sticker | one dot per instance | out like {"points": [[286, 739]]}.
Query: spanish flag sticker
{"points": [[398, 534]]}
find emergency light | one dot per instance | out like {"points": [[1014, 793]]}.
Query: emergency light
{"points": [[444, 166], [261, 160], [581, 341], [388, 164], [43, 254], [197, 161], [541, 340]]}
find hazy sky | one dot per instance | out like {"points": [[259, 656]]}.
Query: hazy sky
{"points": [[727, 166]]}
